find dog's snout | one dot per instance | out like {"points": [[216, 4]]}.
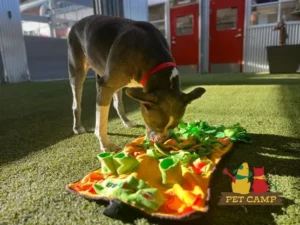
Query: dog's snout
{"points": [[157, 137], [162, 138]]}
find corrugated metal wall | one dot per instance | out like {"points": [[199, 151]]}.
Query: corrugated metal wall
{"points": [[112, 7], [136, 9], [12, 45], [258, 38], [293, 31]]}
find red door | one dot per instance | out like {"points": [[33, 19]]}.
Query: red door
{"points": [[184, 35], [226, 35]]}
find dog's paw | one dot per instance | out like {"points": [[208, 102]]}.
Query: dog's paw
{"points": [[110, 147], [129, 124], [79, 130]]}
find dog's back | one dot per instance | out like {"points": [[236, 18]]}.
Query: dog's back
{"points": [[129, 38]]}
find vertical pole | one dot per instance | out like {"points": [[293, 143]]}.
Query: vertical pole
{"points": [[2, 71], [52, 26], [167, 21], [279, 12], [94, 7], [120, 9], [97, 7], [199, 37], [108, 7], [204, 11], [246, 24]]}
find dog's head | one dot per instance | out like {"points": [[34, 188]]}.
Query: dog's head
{"points": [[162, 110]]}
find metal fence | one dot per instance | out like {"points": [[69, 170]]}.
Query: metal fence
{"points": [[47, 58], [258, 38]]}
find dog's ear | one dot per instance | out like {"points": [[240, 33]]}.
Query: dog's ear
{"points": [[138, 94], [194, 94]]}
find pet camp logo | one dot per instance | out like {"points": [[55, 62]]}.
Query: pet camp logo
{"points": [[243, 193]]}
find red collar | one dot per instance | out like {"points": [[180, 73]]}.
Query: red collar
{"points": [[159, 67]]}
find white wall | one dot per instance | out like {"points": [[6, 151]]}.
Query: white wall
{"points": [[12, 45]]}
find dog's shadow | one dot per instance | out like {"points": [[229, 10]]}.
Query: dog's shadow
{"points": [[269, 151], [138, 126]]}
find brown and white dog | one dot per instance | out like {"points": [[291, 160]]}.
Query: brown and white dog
{"points": [[126, 53]]}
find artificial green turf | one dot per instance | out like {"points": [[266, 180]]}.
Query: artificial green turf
{"points": [[39, 155]]}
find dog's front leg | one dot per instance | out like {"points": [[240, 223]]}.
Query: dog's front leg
{"points": [[104, 97]]}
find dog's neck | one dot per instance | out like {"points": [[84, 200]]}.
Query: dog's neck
{"points": [[164, 79]]}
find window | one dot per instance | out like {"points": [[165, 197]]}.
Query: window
{"points": [[157, 12], [271, 11], [157, 17], [264, 14], [184, 25], [64, 13], [160, 26], [175, 3], [288, 11], [227, 18], [263, 1], [36, 29]]}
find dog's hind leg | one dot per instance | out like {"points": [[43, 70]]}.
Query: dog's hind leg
{"points": [[119, 106], [77, 74], [77, 78]]}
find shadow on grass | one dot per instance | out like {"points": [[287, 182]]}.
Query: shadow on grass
{"points": [[124, 135], [35, 116], [290, 95], [267, 151]]}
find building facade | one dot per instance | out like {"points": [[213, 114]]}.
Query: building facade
{"points": [[204, 35], [224, 35]]}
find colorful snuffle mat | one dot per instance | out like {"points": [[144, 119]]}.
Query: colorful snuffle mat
{"points": [[165, 180]]}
